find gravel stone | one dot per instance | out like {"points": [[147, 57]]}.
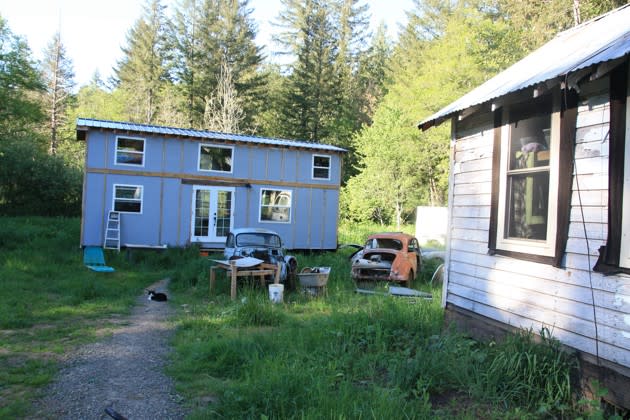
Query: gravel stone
{"points": [[124, 372]]}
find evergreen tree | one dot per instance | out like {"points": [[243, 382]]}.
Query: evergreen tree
{"points": [[208, 33], [373, 74], [58, 76], [142, 73], [308, 34], [351, 21]]}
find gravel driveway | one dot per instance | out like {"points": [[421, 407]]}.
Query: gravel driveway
{"points": [[123, 372]]}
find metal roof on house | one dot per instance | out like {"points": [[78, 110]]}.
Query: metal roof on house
{"points": [[86, 123], [602, 39]]}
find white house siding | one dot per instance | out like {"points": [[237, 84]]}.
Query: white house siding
{"points": [[532, 295]]}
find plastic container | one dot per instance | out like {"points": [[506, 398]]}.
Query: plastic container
{"points": [[314, 276], [276, 293]]}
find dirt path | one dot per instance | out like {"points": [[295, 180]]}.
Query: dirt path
{"points": [[124, 371]]}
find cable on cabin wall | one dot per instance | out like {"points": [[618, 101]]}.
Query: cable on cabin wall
{"points": [[588, 252]]}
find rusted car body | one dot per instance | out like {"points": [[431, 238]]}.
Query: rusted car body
{"points": [[391, 256]]}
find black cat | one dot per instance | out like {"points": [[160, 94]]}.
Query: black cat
{"points": [[159, 297]]}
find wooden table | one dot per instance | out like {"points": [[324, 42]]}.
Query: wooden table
{"points": [[232, 269]]}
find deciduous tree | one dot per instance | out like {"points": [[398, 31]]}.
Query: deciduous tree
{"points": [[58, 75]]}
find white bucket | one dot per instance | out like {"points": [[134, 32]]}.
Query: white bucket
{"points": [[275, 292]]}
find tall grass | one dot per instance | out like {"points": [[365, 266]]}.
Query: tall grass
{"points": [[348, 355], [343, 355], [50, 302]]}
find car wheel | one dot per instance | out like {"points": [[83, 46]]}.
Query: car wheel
{"points": [[292, 274], [409, 280]]}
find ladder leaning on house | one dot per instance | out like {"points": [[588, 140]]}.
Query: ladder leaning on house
{"points": [[112, 231]]}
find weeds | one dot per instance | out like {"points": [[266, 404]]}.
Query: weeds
{"points": [[341, 356], [49, 302]]}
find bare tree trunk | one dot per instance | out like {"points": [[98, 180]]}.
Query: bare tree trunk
{"points": [[576, 12], [54, 109]]}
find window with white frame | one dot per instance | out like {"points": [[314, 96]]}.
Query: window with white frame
{"points": [[129, 151], [624, 249], [528, 177], [127, 198], [215, 158], [275, 206], [321, 167]]}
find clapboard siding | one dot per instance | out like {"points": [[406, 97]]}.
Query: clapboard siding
{"points": [[583, 309], [573, 339]]}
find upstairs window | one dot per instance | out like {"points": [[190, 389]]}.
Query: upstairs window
{"points": [[129, 151], [215, 158], [321, 167]]}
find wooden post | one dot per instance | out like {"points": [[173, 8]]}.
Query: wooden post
{"points": [[276, 279], [212, 278], [233, 279]]}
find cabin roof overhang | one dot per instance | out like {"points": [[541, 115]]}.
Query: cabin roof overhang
{"points": [[585, 52], [83, 125]]}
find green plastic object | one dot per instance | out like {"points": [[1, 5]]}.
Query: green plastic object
{"points": [[94, 259]]}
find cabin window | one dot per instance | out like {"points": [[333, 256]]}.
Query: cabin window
{"points": [[624, 257], [615, 255], [528, 177], [275, 206], [215, 158], [321, 167], [127, 198], [129, 151]]}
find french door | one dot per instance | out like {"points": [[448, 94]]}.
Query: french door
{"points": [[212, 216]]}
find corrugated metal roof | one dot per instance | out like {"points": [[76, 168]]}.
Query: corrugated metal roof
{"points": [[601, 39], [200, 134]]}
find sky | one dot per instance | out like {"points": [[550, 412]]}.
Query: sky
{"points": [[93, 31]]}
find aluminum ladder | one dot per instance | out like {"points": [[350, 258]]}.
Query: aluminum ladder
{"points": [[112, 231]]}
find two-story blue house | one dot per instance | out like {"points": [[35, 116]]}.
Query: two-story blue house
{"points": [[174, 187]]}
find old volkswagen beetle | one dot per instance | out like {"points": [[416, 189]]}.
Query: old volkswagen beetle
{"points": [[263, 244], [390, 256]]}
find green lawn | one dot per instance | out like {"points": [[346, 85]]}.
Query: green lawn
{"points": [[50, 303], [344, 355]]}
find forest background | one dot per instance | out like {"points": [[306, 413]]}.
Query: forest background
{"points": [[197, 65]]}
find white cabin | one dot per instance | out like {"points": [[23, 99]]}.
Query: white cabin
{"points": [[539, 200]]}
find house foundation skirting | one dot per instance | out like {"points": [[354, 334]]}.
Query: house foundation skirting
{"points": [[611, 376]]}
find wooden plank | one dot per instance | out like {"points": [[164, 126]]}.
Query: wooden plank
{"points": [[592, 198], [482, 152], [576, 293], [472, 200], [590, 141], [471, 211], [470, 223], [613, 328], [471, 188], [580, 246], [591, 165], [469, 246], [474, 141], [513, 267], [476, 165], [591, 181], [213, 178], [536, 305], [591, 215], [596, 231], [469, 235], [570, 338], [480, 177]]}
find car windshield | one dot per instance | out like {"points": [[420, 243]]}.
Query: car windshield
{"points": [[258, 239], [387, 243]]}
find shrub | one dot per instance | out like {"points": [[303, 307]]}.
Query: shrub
{"points": [[35, 183]]}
